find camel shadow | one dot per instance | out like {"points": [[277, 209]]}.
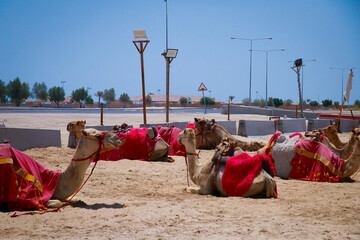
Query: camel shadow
{"points": [[96, 206]]}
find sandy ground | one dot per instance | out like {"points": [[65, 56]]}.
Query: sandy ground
{"points": [[146, 200]]}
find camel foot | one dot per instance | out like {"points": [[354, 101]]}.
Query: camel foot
{"points": [[170, 159], [194, 190]]}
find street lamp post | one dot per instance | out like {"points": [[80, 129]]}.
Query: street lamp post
{"points": [[342, 79], [169, 55], [267, 53], [140, 46], [251, 40]]}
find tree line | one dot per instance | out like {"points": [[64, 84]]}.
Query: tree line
{"points": [[17, 92]]}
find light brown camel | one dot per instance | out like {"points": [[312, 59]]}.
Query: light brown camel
{"points": [[75, 128], [346, 151], [71, 179], [209, 134], [203, 174], [329, 137]]}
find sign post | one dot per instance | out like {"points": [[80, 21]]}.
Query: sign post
{"points": [[202, 88]]}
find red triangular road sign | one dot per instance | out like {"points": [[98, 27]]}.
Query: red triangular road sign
{"points": [[202, 87]]}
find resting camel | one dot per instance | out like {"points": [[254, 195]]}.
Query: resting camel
{"points": [[72, 178], [75, 128], [209, 134], [333, 142], [203, 174], [299, 158], [159, 151]]}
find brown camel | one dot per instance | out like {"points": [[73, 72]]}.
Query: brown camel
{"points": [[332, 134], [71, 179], [203, 174], [209, 134]]}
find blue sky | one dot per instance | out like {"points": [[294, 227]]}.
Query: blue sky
{"points": [[89, 44]]}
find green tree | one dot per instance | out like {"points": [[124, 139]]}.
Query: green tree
{"points": [[246, 101], [89, 100], [183, 100], [278, 102], [259, 102], [39, 91], [357, 102], [3, 98], [124, 98], [56, 95], [79, 95], [314, 103], [270, 102], [327, 102], [207, 100], [288, 103], [17, 91], [109, 95], [148, 99], [336, 103], [99, 94]]}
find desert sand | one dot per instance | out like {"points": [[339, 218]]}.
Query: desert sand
{"points": [[131, 199]]}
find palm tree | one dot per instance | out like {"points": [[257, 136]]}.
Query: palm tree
{"points": [[99, 94]]}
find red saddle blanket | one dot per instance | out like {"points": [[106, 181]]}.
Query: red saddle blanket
{"points": [[313, 161], [136, 146], [25, 184], [240, 172], [316, 162]]}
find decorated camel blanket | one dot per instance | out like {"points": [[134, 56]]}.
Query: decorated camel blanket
{"points": [[241, 170], [24, 183], [313, 161], [136, 145]]}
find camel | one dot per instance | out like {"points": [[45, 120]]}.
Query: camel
{"points": [[348, 148], [285, 150], [159, 151], [203, 174], [209, 134], [71, 179], [75, 128], [333, 142]]}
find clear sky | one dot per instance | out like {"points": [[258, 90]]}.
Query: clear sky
{"points": [[89, 44]]}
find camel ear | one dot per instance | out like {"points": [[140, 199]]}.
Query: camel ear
{"points": [[196, 120]]}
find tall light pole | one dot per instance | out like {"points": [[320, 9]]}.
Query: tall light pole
{"points": [[267, 53], [140, 46], [169, 55], [342, 79], [167, 39], [251, 40]]}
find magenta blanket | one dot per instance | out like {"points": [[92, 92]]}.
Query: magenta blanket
{"points": [[25, 184]]}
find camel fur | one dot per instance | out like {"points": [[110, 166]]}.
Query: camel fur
{"points": [[209, 134], [202, 175]]}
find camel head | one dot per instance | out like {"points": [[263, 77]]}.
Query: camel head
{"points": [[187, 138], [121, 128], [202, 124], [75, 127], [109, 139]]}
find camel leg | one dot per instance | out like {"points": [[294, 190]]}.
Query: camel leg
{"points": [[55, 203], [263, 183]]}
